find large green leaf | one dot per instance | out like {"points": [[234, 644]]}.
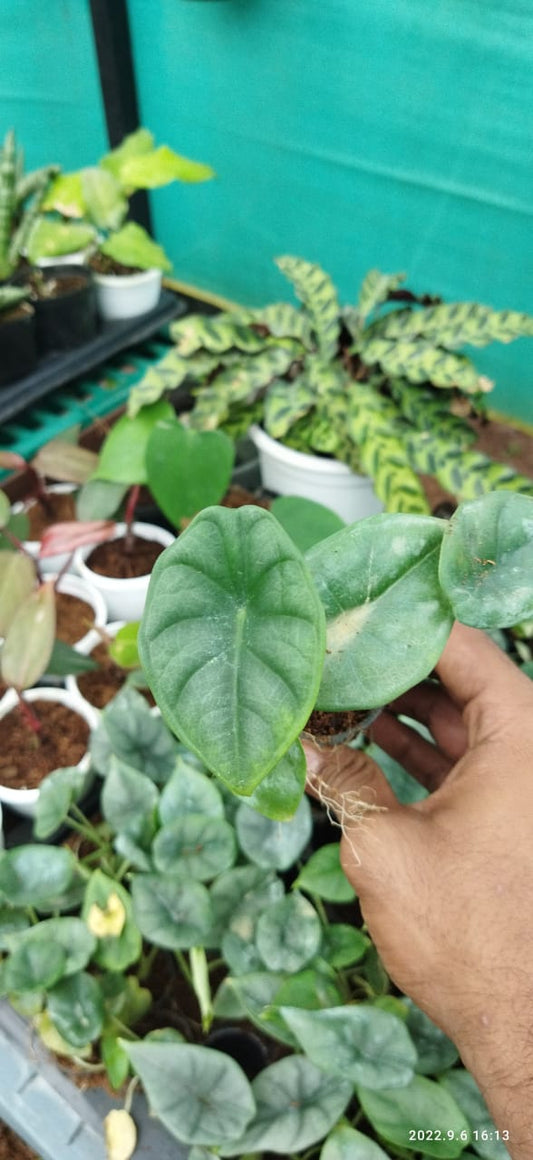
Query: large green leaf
{"points": [[17, 579], [76, 1007], [423, 1106], [70, 934], [195, 845], [279, 793], [130, 732], [200, 1095], [362, 1043], [104, 200], [378, 581], [234, 660], [159, 167], [51, 239], [296, 1106], [486, 563], [323, 875], [33, 966], [305, 521], [189, 792], [317, 292], [187, 470], [170, 911], [271, 844], [133, 246], [346, 1143], [36, 875], [435, 1052], [123, 454], [462, 1086], [288, 934]]}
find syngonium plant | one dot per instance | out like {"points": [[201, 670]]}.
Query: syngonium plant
{"points": [[90, 206], [242, 636], [171, 872], [382, 386]]}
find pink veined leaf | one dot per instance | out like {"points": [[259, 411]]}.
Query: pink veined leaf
{"points": [[72, 534], [30, 638]]}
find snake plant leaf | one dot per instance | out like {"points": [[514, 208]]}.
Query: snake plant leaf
{"points": [[105, 204], [195, 846], [346, 1143], [200, 1095], [375, 289], [435, 1052], [171, 912], [123, 455], [486, 564], [296, 1106], [76, 1007], [323, 875], [464, 1090], [285, 321], [133, 145], [279, 793], [70, 934], [51, 239], [360, 1043], [234, 660], [270, 844], [217, 334], [285, 403], [119, 939], [131, 245], [316, 290], [456, 324], [17, 581], [378, 581], [421, 361], [423, 1104], [189, 792], [160, 167], [29, 638], [187, 470], [33, 966], [288, 934]]}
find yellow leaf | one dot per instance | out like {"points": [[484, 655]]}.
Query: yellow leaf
{"points": [[120, 1135], [108, 922]]}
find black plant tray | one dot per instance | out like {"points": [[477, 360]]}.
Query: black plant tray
{"points": [[54, 370]]}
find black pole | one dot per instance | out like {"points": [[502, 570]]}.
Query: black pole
{"points": [[111, 32]]}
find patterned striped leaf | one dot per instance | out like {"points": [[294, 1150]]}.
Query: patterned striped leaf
{"points": [[375, 425], [429, 411], [285, 321], [165, 375], [285, 403], [240, 383], [316, 290], [454, 324], [375, 289], [466, 474], [422, 362], [217, 334], [328, 379]]}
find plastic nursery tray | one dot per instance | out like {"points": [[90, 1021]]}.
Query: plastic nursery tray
{"points": [[54, 370]]}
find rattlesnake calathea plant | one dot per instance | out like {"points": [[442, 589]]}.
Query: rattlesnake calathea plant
{"points": [[381, 386], [179, 911]]}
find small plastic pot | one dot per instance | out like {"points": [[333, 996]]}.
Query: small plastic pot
{"points": [[127, 295], [125, 599], [24, 801], [85, 647], [18, 343], [73, 585], [49, 563], [243, 1046], [343, 735], [68, 318]]}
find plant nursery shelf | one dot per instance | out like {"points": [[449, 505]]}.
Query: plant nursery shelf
{"points": [[54, 370]]}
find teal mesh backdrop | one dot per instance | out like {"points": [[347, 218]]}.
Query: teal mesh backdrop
{"points": [[355, 133]]}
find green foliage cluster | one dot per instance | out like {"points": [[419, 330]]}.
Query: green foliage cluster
{"points": [[176, 870], [20, 196], [381, 386]]}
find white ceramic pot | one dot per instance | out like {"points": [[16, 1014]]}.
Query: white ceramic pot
{"points": [[50, 563], [76, 258], [78, 586], [24, 801], [125, 599], [324, 480], [127, 295], [86, 646]]}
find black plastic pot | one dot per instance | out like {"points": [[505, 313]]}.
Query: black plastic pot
{"points": [[18, 351], [243, 1046], [69, 318]]}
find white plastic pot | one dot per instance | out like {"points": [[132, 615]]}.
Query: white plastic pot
{"points": [[326, 481], [78, 586], [127, 295], [24, 801], [85, 647], [50, 563], [76, 258], [125, 599]]}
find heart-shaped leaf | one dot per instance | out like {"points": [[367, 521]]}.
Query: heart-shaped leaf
{"points": [[279, 793], [119, 942], [486, 560], [195, 845], [346, 1143], [76, 1007], [189, 792], [36, 875], [130, 732], [12, 922], [273, 845], [360, 1042], [435, 1052], [422, 1104], [129, 799], [70, 934], [232, 642], [123, 454], [343, 944], [187, 470], [242, 892], [378, 581], [33, 966], [170, 911], [464, 1090], [288, 934], [306, 522], [200, 1095], [323, 875], [57, 793]]}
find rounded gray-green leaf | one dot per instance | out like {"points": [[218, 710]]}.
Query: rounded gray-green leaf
{"points": [[296, 1106], [170, 911], [128, 798], [70, 934], [232, 642], [288, 934], [362, 1043], [464, 1090], [189, 792], [76, 1008], [273, 845], [378, 582], [486, 563], [346, 1143], [424, 1105], [36, 875], [195, 845], [435, 1052], [34, 966], [200, 1095]]}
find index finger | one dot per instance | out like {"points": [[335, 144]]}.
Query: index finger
{"points": [[472, 667]]}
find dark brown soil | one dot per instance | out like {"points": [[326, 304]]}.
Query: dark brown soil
{"points": [[332, 728], [105, 265], [237, 497], [22, 310], [26, 757], [122, 561], [102, 684], [60, 508], [12, 1147], [74, 617], [55, 286]]}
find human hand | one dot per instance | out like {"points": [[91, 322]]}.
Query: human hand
{"points": [[446, 884]]}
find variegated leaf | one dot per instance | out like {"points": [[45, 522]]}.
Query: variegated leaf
{"points": [[167, 374], [429, 411], [375, 289], [217, 333], [327, 379], [422, 362], [316, 290], [466, 474], [285, 321], [238, 384], [285, 403], [455, 324], [376, 428]]}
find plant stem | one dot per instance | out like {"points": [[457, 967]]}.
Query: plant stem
{"points": [[133, 498], [201, 985], [145, 964], [32, 721], [129, 1094], [184, 967]]}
